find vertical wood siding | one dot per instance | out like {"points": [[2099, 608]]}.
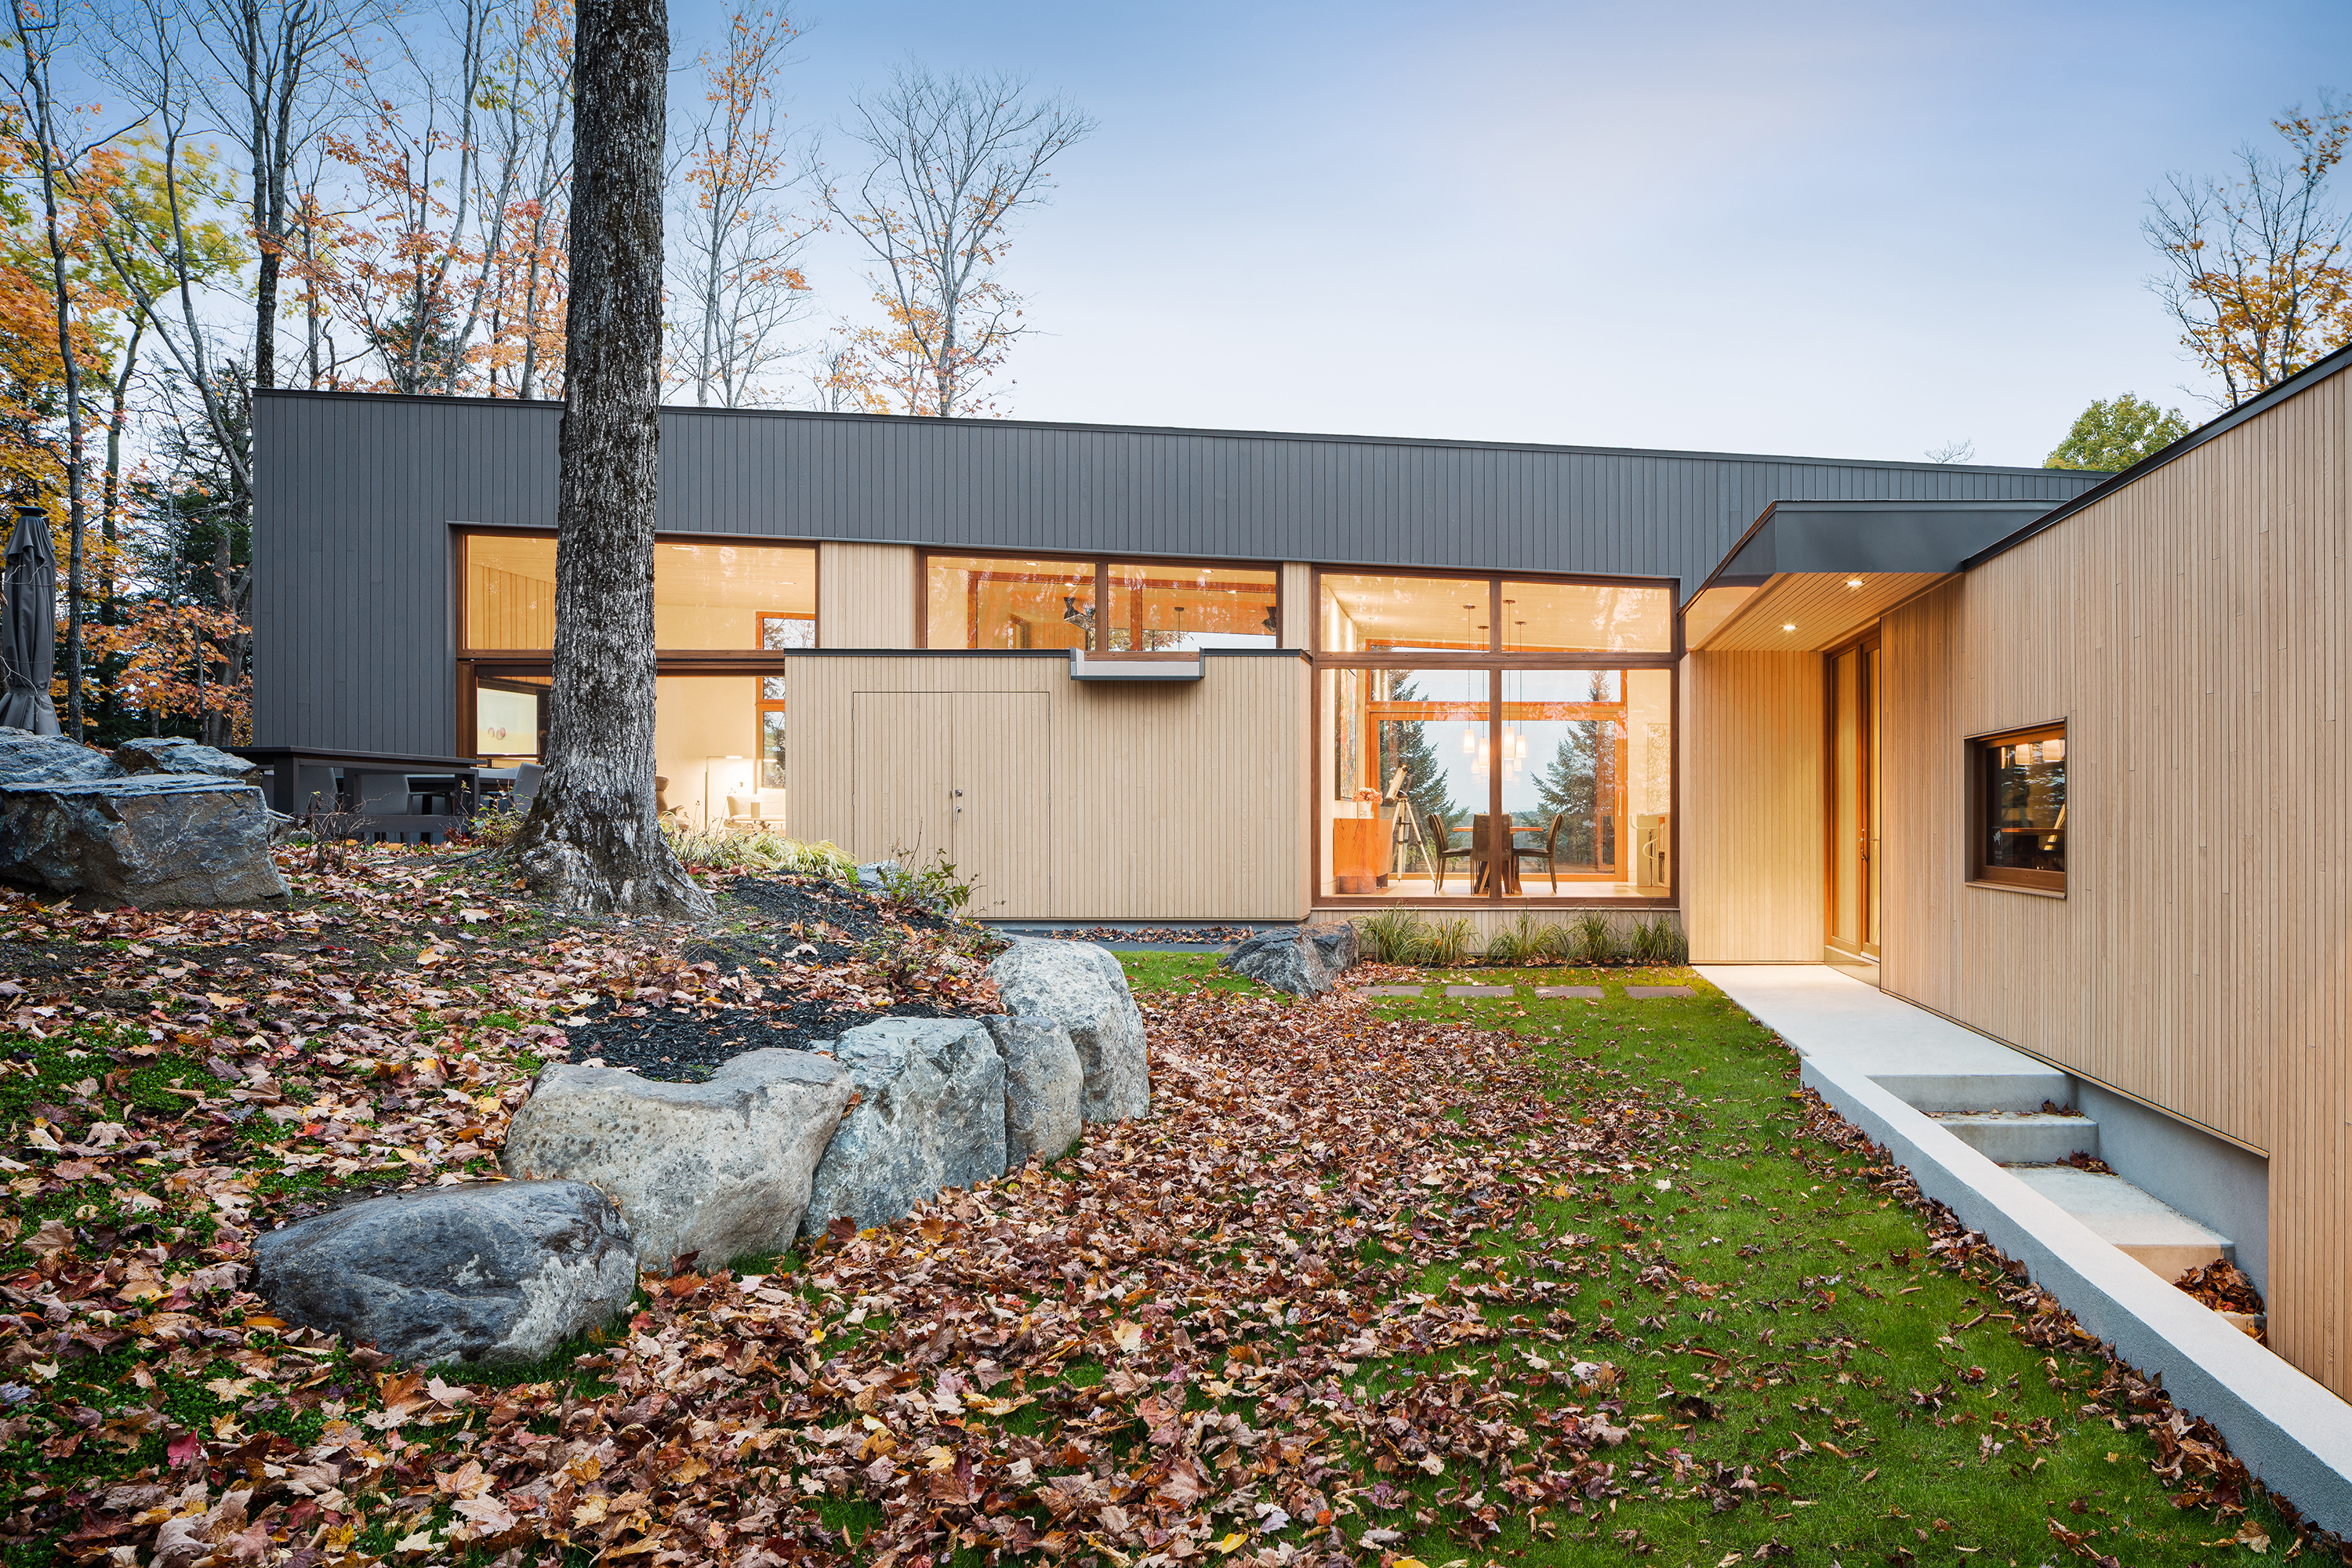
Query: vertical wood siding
{"points": [[2190, 630], [1092, 801], [1753, 807], [354, 495], [865, 595]]}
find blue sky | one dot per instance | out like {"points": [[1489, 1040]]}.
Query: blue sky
{"points": [[1856, 230]]}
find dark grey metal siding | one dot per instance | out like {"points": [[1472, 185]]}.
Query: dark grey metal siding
{"points": [[353, 605]]}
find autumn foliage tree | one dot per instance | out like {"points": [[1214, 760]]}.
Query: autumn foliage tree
{"points": [[2258, 265]]}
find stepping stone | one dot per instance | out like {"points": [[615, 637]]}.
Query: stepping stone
{"points": [[1478, 991], [1389, 991], [1650, 992], [1574, 992]]}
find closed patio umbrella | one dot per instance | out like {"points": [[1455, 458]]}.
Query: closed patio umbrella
{"points": [[28, 625]]}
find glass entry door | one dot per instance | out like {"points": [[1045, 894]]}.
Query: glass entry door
{"points": [[1853, 800]]}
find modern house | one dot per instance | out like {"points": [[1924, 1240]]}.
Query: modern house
{"points": [[1115, 674], [2058, 756]]}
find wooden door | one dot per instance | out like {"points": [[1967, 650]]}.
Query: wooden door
{"points": [[1854, 799], [905, 778], [966, 774], [1002, 800]]}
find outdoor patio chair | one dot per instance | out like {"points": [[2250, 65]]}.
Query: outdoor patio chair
{"points": [[1547, 851], [1440, 848]]}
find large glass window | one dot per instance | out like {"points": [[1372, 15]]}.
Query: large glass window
{"points": [[2020, 808], [706, 594], [1149, 606], [1484, 737]]}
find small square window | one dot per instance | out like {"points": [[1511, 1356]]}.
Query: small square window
{"points": [[2017, 808]]}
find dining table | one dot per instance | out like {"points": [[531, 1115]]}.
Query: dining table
{"points": [[1498, 868]]}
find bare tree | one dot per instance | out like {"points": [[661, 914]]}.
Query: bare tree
{"points": [[592, 841], [953, 160], [2257, 263], [272, 86], [1960, 451], [736, 286]]}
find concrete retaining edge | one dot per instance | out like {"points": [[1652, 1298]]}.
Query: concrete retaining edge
{"points": [[2291, 1432]]}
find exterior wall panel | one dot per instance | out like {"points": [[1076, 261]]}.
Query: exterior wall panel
{"points": [[1753, 847], [1180, 801]]}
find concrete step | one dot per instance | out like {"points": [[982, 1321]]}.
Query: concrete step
{"points": [[2167, 1241], [2022, 1137], [1933, 1092]]}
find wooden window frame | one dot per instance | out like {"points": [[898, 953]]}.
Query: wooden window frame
{"points": [[1101, 563], [458, 609], [2008, 878]]}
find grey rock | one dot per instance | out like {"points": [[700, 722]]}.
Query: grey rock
{"points": [[720, 1169], [1302, 961], [870, 875], [1082, 987], [166, 838], [1044, 1083], [25, 757], [178, 754], [485, 1272], [930, 1116]]}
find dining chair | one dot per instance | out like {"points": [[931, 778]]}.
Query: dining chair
{"points": [[1547, 851], [1440, 848]]}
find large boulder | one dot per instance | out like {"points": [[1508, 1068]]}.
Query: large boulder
{"points": [[25, 757], [1305, 960], [720, 1169], [929, 1116], [1044, 1084], [166, 838], [178, 754], [1082, 987], [483, 1272]]}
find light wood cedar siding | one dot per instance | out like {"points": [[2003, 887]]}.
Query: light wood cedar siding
{"points": [[2191, 629], [1180, 801], [867, 596], [1752, 832]]}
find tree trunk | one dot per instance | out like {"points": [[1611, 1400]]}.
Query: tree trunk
{"points": [[592, 842]]}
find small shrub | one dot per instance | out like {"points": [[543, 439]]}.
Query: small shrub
{"points": [[756, 849], [1392, 936], [1591, 939], [936, 886], [1523, 941], [1654, 940], [495, 823], [1447, 943]]}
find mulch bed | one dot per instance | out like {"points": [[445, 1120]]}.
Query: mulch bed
{"points": [[685, 1044]]}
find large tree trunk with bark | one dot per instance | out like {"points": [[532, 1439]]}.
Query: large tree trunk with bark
{"points": [[592, 842]]}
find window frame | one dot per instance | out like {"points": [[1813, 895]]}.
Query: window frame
{"points": [[1978, 750], [1102, 563], [1496, 661], [459, 609]]}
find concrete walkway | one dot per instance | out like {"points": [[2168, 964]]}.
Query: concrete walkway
{"points": [[1824, 1014]]}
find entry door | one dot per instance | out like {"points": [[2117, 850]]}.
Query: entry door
{"points": [[1853, 798], [966, 772]]}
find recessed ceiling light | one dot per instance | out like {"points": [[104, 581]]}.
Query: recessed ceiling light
{"points": [[1854, 582], [1788, 625]]}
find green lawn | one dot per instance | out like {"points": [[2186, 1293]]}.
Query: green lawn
{"points": [[1884, 1408]]}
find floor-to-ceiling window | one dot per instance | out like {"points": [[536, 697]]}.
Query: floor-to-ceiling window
{"points": [[1491, 737], [724, 610]]}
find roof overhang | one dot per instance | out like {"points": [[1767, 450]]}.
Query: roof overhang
{"points": [[1809, 574]]}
